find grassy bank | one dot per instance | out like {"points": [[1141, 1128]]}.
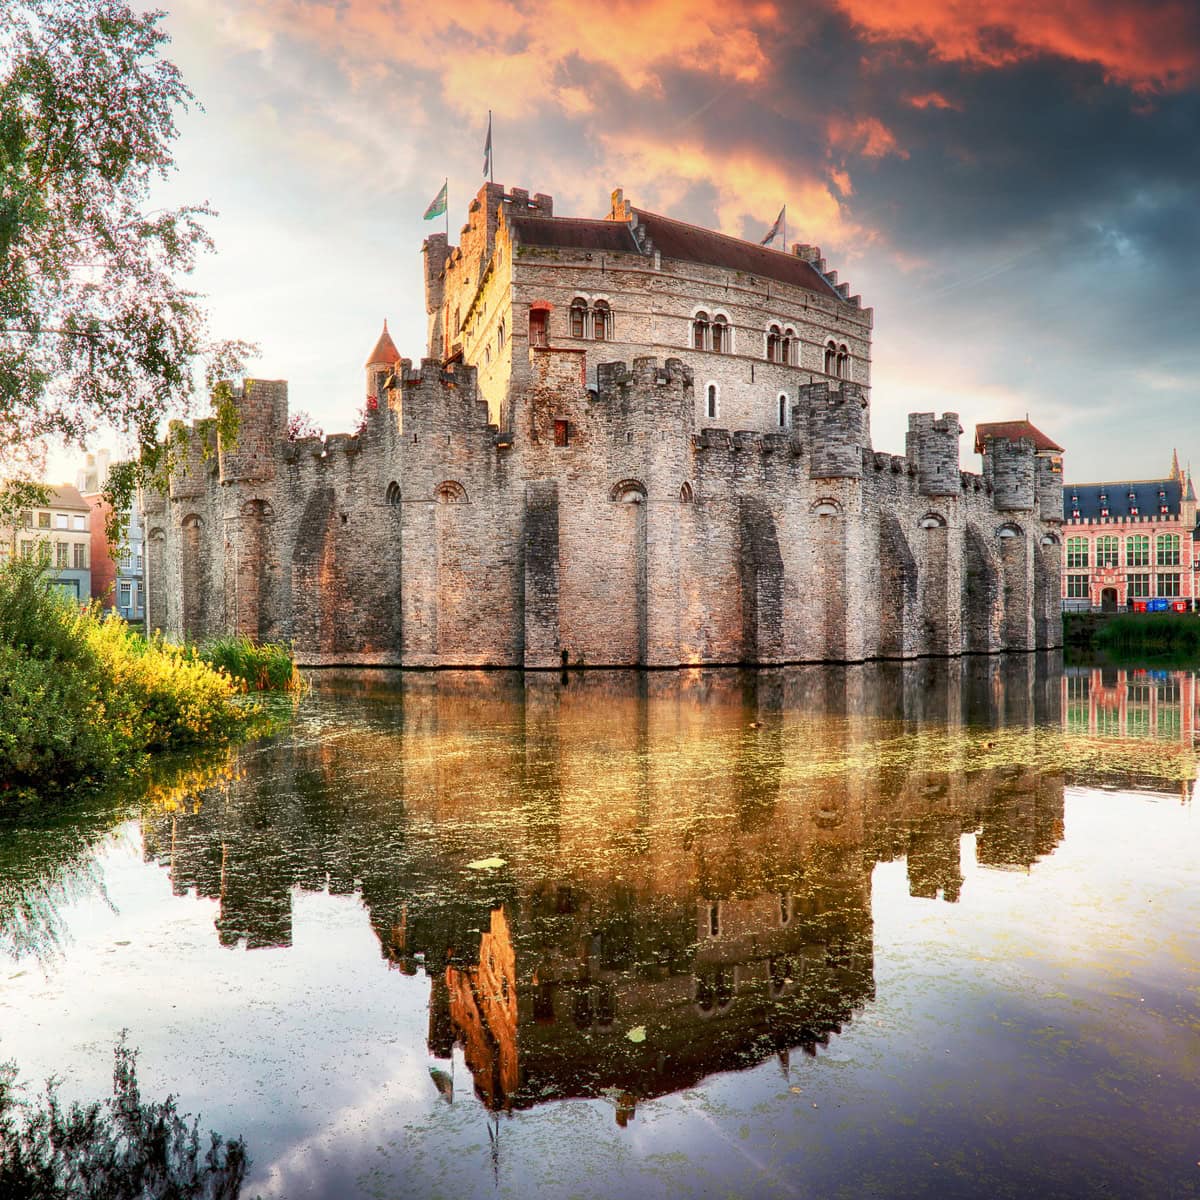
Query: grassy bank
{"points": [[1176, 635], [84, 698]]}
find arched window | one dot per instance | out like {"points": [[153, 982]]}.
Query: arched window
{"points": [[628, 491], [788, 347], [685, 494], [720, 334], [392, 495], [602, 321], [1077, 552], [700, 331], [773, 337], [500, 337], [710, 402], [830, 357], [1107, 551], [578, 317], [782, 410], [1137, 550], [843, 362]]}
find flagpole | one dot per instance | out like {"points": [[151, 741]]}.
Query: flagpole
{"points": [[491, 151], [446, 187], [785, 245]]}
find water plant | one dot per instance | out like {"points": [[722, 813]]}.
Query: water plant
{"points": [[260, 666], [123, 1147]]}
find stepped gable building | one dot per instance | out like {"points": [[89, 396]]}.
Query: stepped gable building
{"points": [[631, 442], [1130, 544]]}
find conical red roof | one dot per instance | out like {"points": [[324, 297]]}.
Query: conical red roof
{"points": [[385, 349]]}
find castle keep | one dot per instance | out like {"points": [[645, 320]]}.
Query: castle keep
{"points": [[631, 441]]}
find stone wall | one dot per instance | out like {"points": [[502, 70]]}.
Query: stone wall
{"points": [[606, 530]]}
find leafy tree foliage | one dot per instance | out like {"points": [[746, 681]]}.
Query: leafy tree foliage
{"points": [[96, 323], [124, 1148]]}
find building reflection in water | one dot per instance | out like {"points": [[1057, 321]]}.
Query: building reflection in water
{"points": [[1139, 704], [676, 859]]}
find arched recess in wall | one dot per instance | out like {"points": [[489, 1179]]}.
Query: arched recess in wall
{"points": [[1015, 573], [391, 497], [458, 599], [628, 491], [626, 602], [826, 507], [193, 575], [982, 598], [1047, 594], [250, 572], [898, 589], [450, 491], [156, 589], [317, 586], [934, 558], [686, 495], [761, 580]]}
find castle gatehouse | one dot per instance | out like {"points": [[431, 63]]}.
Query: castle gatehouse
{"points": [[632, 441]]}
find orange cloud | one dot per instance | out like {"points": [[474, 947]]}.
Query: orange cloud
{"points": [[513, 59], [1146, 48], [867, 136], [933, 100]]}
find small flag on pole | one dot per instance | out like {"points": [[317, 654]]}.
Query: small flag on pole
{"points": [[437, 205], [487, 149], [773, 232]]}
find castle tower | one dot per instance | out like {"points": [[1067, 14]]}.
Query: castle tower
{"points": [[381, 362]]}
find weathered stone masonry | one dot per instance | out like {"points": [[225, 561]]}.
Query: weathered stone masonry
{"points": [[519, 498]]}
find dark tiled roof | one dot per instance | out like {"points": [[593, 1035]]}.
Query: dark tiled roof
{"points": [[1013, 430], [573, 233], [1146, 492], [690, 243]]}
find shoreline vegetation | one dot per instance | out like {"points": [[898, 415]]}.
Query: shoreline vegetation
{"points": [[84, 698], [1135, 636]]}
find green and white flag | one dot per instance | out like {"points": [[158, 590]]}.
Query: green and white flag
{"points": [[437, 205]]}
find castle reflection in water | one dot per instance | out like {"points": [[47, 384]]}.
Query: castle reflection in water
{"points": [[688, 854]]}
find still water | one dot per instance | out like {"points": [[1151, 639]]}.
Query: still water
{"points": [[929, 929]]}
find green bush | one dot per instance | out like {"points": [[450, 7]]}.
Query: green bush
{"points": [[82, 696]]}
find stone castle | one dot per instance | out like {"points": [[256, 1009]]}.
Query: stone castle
{"points": [[632, 441]]}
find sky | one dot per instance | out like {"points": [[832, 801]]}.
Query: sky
{"points": [[1010, 185]]}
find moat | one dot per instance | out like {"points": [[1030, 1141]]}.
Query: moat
{"points": [[922, 929]]}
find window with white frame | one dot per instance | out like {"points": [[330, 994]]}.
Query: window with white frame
{"points": [[1168, 552], [1138, 586], [1168, 583], [1077, 552], [1107, 551], [1077, 587], [124, 594]]}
